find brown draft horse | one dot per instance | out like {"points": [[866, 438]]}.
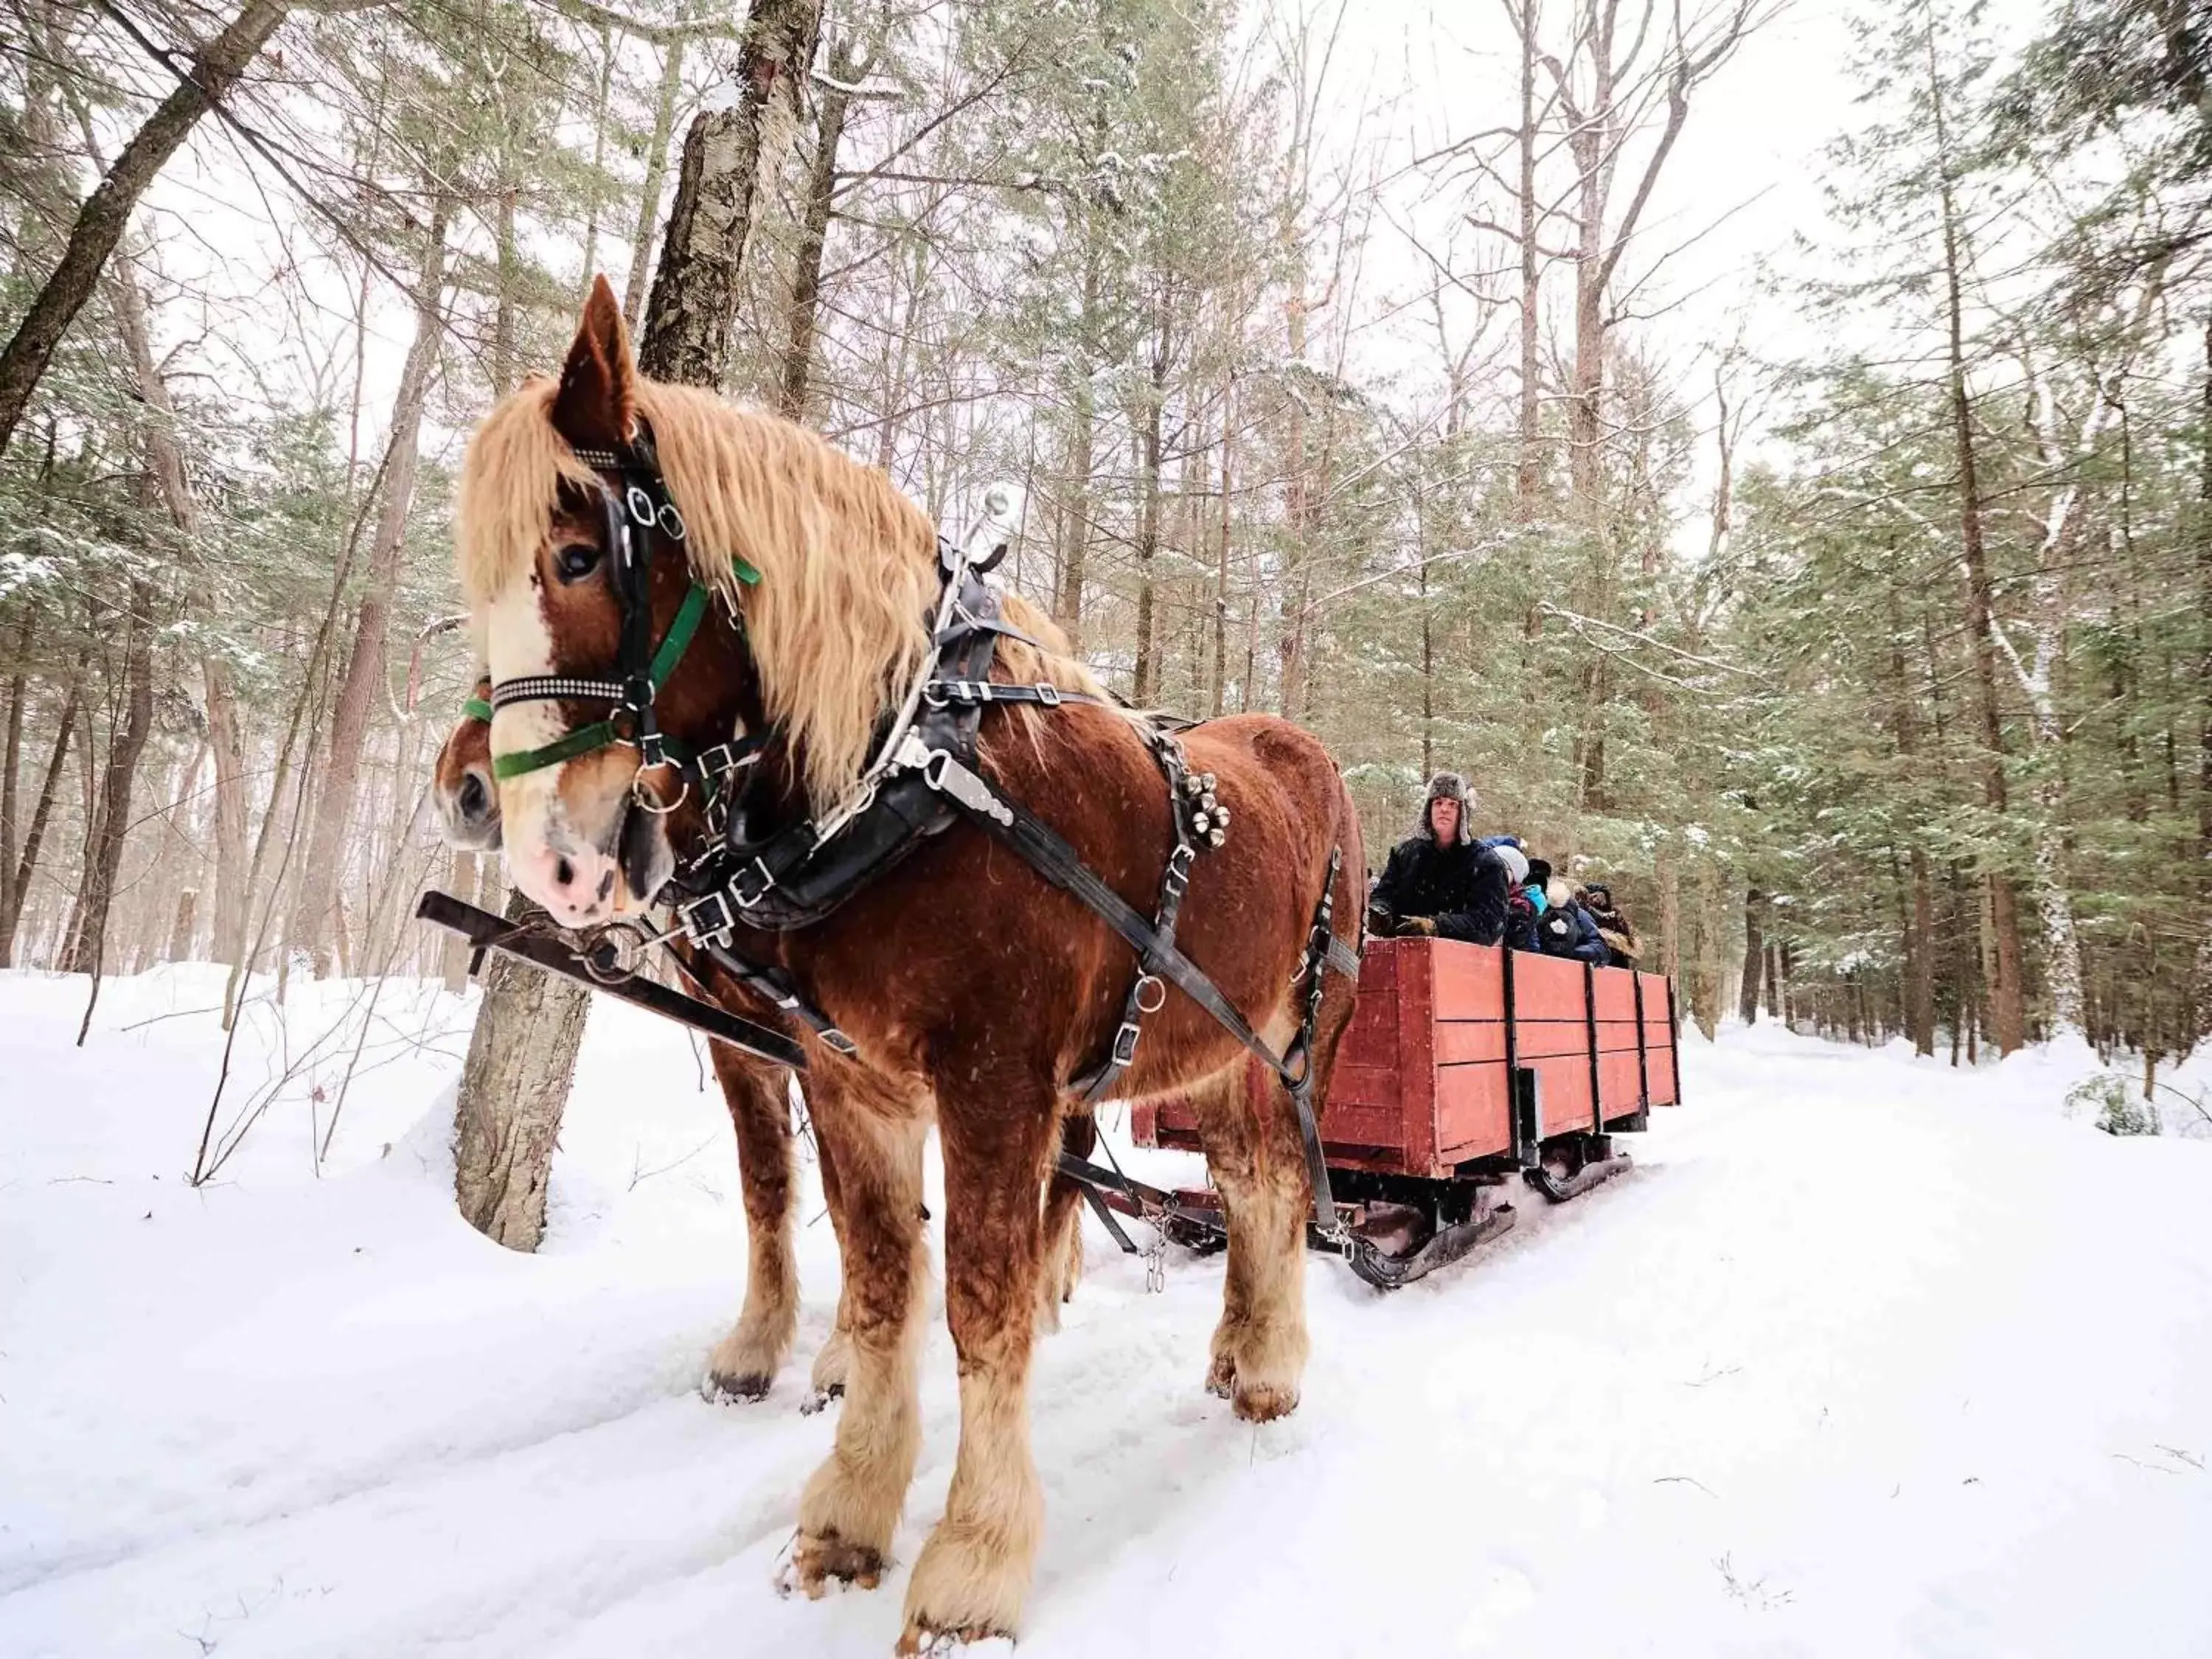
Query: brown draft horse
{"points": [[974, 990], [743, 1365]]}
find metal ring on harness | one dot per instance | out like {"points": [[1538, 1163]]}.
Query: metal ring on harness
{"points": [[643, 797], [1155, 987], [639, 499]]}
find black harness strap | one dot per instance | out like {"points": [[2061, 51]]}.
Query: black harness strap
{"points": [[1041, 846], [1146, 994], [767, 983]]}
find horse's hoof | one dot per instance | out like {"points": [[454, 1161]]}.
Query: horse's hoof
{"points": [[736, 1388], [921, 1642], [816, 1562], [821, 1398], [1261, 1403], [1221, 1377]]}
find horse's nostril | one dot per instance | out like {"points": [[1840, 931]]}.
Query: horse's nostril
{"points": [[476, 799], [563, 872]]}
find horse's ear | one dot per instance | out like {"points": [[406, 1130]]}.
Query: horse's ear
{"points": [[595, 406]]}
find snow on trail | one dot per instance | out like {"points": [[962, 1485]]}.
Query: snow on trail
{"points": [[1867, 1357]]}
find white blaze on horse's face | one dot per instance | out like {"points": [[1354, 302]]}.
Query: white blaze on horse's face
{"points": [[561, 825]]}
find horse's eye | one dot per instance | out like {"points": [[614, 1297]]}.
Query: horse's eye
{"points": [[574, 560]]}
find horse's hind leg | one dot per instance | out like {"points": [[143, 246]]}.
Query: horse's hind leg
{"points": [[1063, 1224], [744, 1362], [851, 1504], [1258, 1165], [972, 1573]]}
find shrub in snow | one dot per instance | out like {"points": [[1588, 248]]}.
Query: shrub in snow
{"points": [[2112, 1098]]}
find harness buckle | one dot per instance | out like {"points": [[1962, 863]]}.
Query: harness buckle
{"points": [[1179, 863], [639, 500], [671, 522], [1125, 1043], [723, 759], [736, 889], [690, 917], [1047, 694]]}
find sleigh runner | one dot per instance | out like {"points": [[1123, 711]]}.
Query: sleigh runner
{"points": [[1464, 1066]]}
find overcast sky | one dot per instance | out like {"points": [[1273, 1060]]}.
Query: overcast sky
{"points": [[1743, 181]]}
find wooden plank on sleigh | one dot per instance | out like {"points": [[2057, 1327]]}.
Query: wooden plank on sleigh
{"points": [[1474, 1111]]}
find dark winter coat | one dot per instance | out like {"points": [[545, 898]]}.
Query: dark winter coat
{"points": [[1567, 930], [1462, 887]]}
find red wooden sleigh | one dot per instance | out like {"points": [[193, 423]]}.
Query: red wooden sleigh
{"points": [[1464, 1066]]}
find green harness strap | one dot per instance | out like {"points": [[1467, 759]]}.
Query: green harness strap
{"points": [[600, 734]]}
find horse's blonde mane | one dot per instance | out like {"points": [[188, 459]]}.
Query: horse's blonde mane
{"points": [[838, 622]]}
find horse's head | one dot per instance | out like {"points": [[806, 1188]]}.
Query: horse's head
{"points": [[461, 782], [605, 514], [571, 599]]}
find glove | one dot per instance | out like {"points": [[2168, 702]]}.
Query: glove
{"points": [[1417, 927]]}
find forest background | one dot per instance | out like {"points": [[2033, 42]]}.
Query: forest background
{"points": [[1851, 615]]}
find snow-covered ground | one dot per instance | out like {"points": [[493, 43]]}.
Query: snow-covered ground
{"points": [[1867, 1357]]}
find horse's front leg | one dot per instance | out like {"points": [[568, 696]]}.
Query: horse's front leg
{"points": [[744, 1362], [975, 1570], [835, 1357], [851, 1504]]}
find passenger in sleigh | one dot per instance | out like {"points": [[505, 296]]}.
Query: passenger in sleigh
{"points": [[1542, 916], [1440, 883], [1621, 949]]}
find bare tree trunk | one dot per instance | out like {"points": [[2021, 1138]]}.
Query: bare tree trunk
{"points": [[227, 739], [1067, 606], [656, 180], [1528, 476], [1221, 552], [19, 688], [1755, 955], [2201, 1024], [514, 1086], [730, 149], [104, 846], [461, 880], [363, 681], [595, 180], [17, 891], [214, 69], [1142, 687], [831, 103], [224, 735], [2007, 1012], [180, 928]]}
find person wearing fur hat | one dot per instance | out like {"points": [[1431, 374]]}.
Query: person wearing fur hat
{"points": [[1441, 882]]}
